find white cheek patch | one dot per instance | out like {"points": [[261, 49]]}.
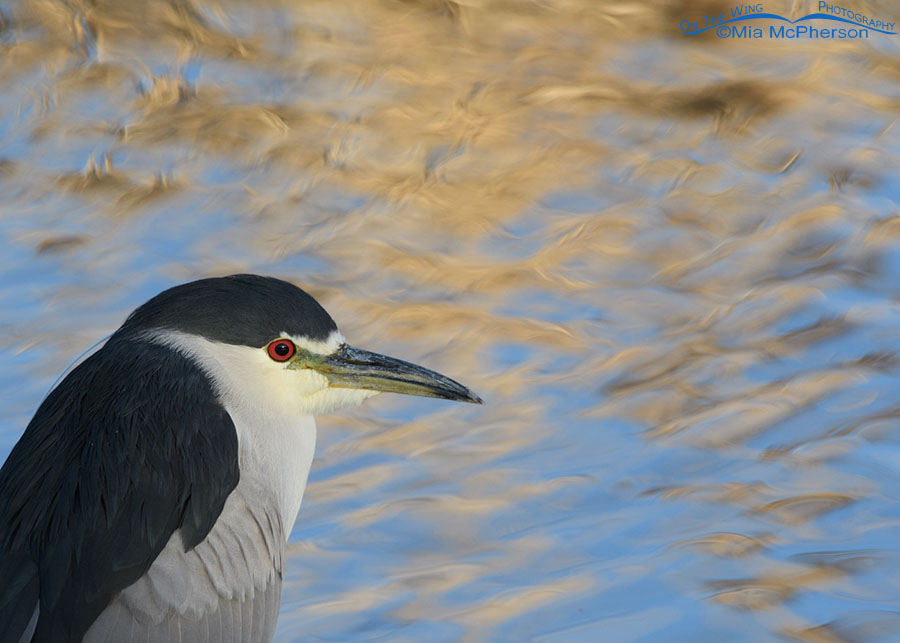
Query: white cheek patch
{"points": [[247, 379], [245, 376]]}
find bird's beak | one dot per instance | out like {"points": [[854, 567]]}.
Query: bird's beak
{"points": [[350, 367]]}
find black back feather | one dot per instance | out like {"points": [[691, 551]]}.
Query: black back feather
{"points": [[105, 472]]}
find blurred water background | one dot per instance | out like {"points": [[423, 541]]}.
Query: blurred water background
{"points": [[669, 264]]}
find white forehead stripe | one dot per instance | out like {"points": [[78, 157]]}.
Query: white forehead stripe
{"points": [[334, 341]]}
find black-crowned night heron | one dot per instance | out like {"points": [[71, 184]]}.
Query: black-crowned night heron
{"points": [[151, 495]]}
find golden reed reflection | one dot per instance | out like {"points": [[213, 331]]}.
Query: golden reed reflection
{"points": [[664, 262]]}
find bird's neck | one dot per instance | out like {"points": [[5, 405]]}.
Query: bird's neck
{"points": [[276, 453]]}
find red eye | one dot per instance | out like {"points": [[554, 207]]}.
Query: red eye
{"points": [[281, 350]]}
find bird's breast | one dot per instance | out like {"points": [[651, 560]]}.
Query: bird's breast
{"points": [[277, 452]]}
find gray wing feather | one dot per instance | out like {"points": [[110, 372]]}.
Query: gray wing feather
{"points": [[236, 619], [228, 620], [247, 608], [121, 622], [32, 624], [214, 625], [228, 588]]}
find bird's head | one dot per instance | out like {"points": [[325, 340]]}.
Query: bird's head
{"points": [[266, 342]]}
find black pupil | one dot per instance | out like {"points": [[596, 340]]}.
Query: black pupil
{"points": [[282, 349]]}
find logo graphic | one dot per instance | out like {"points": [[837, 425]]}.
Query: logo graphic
{"points": [[853, 25]]}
